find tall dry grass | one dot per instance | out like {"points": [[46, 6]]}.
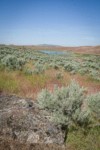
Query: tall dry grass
{"points": [[17, 82]]}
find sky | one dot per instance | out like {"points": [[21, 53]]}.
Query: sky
{"points": [[58, 22]]}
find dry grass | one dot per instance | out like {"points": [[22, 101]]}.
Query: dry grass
{"points": [[17, 82], [8, 82], [25, 85], [91, 85]]}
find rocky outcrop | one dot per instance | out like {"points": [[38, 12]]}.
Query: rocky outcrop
{"points": [[22, 120], [16, 145]]}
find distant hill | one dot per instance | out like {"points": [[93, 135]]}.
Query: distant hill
{"points": [[87, 49], [80, 49], [49, 45]]}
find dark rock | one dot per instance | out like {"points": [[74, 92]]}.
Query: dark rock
{"points": [[17, 145], [21, 119], [30, 104]]}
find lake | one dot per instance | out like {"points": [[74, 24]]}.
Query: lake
{"points": [[52, 52]]}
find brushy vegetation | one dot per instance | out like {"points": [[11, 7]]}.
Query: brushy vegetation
{"points": [[58, 69], [25, 72], [64, 103], [12, 62], [14, 58], [67, 109]]}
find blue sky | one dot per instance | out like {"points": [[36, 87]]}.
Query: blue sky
{"points": [[60, 22]]}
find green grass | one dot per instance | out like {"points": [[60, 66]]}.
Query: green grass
{"points": [[78, 141], [37, 80], [17, 82], [8, 83]]}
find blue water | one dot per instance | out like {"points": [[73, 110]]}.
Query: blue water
{"points": [[52, 52]]}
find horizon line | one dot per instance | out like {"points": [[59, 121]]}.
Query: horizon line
{"points": [[46, 45]]}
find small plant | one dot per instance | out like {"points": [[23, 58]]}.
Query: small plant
{"points": [[54, 65], [59, 76], [39, 68], [28, 71]]}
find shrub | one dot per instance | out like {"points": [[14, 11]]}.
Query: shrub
{"points": [[94, 106], [71, 66], [13, 62], [54, 65], [39, 68], [59, 75], [64, 104]]}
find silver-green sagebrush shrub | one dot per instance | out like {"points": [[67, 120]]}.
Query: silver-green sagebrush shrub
{"points": [[64, 104], [94, 107], [39, 68], [12, 62], [70, 106], [82, 118], [54, 65]]}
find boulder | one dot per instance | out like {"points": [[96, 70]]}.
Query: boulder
{"points": [[22, 120]]}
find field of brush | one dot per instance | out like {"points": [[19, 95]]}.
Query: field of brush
{"points": [[25, 72]]}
